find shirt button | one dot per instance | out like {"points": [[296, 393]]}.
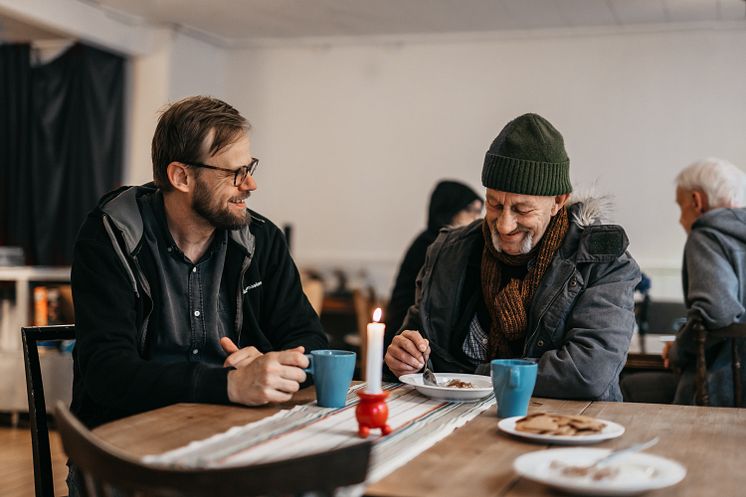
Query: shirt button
{"points": [[194, 269], [484, 340], [540, 343], [196, 313], [169, 249], [195, 351]]}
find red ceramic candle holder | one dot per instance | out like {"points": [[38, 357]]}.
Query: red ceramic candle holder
{"points": [[372, 412]]}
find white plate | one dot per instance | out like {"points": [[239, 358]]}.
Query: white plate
{"points": [[638, 472], [611, 430], [482, 386]]}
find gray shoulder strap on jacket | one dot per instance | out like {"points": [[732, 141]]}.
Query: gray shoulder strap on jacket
{"points": [[120, 254], [124, 213]]}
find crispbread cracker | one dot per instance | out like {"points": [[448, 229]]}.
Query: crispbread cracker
{"points": [[538, 424], [559, 424]]}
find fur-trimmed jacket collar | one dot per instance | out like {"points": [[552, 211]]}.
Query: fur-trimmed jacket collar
{"points": [[592, 210]]}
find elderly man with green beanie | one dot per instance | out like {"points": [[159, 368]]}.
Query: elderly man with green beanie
{"points": [[540, 278]]}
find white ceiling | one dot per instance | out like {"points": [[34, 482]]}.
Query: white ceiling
{"points": [[242, 22], [237, 21]]}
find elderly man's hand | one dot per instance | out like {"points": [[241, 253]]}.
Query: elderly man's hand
{"points": [[238, 358], [407, 353], [271, 377], [664, 354]]}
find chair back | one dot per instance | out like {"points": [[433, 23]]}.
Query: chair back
{"points": [[104, 467], [30, 336], [732, 332], [314, 291]]}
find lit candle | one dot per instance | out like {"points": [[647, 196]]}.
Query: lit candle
{"points": [[374, 354]]}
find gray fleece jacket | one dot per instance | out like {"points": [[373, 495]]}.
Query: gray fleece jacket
{"points": [[714, 279], [580, 321]]}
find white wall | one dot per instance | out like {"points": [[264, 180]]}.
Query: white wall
{"points": [[178, 67], [353, 137], [354, 133], [197, 68], [149, 77]]}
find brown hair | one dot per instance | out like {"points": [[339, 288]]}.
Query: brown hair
{"points": [[182, 129]]}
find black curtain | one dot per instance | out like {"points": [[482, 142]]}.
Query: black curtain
{"points": [[15, 140], [68, 146]]}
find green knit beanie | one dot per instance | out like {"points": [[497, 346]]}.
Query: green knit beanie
{"points": [[528, 157]]}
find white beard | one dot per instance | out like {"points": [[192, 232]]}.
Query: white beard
{"points": [[526, 245]]}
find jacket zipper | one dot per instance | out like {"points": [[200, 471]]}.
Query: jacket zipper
{"points": [[146, 291], [538, 321], [239, 300]]}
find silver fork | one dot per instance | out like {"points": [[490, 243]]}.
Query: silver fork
{"points": [[428, 377], [614, 454]]}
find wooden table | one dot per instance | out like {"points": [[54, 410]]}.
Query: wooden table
{"points": [[476, 460]]}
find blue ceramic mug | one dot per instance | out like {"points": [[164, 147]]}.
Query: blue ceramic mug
{"points": [[332, 374], [513, 381]]}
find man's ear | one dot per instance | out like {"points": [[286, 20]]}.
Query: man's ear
{"points": [[179, 176], [559, 202], [699, 200]]}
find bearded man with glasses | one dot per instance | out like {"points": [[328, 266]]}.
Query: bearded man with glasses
{"points": [[182, 293]]}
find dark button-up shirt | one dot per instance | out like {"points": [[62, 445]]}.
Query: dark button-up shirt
{"points": [[192, 306]]}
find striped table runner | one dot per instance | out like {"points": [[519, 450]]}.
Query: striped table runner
{"points": [[418, 423]]}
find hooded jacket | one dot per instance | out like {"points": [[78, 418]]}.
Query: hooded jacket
{"points": [[580, 321], [116, 374], [714, 280], [447, 200]]}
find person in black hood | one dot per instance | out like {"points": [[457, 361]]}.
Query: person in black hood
{"points": [[451, 204]]}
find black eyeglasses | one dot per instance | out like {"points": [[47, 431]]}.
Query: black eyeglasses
{"points": [[239, 175]]}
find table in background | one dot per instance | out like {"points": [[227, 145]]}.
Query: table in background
{"points": [[645, 353], [476, 460]]}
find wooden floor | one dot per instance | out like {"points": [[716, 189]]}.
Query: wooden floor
{"points": [[17, 468]]}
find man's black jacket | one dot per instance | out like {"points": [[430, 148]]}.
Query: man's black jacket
{"points": [[115, 373]]}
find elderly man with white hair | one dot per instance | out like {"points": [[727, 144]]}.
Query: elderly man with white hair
{"points": [[711, 197]]}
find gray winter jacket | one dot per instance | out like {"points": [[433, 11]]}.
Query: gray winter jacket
{"points": [[581, 319], [714, 279]]}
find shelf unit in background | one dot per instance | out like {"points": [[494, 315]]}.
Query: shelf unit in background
{"points": [[56, 367], [24, 277]]}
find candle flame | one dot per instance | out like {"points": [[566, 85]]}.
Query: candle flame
{"points": [[377, 314]]}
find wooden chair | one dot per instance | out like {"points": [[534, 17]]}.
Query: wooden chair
{"points": [[104, 467], [30, 336], [732, 332], [314, 290]]}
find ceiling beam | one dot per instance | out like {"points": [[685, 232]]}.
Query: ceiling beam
{"points": [[89, 23]]}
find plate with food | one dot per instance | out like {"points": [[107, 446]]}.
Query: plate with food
{"points": [[452, 386], [574, 470], [561, 429]]}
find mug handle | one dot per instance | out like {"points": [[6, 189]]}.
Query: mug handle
{"points": [[515, 378], [309, 369]]}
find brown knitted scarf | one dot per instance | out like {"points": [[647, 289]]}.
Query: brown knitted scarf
{"points": [[507, 305]]}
